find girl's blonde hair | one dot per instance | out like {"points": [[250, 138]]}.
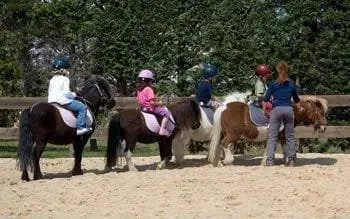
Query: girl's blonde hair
{"points": [[283, 71]]}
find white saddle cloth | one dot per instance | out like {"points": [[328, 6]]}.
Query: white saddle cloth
{"points": [[69, 118]]}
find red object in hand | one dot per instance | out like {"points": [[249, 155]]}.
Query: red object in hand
{"points": [[267, 106]]}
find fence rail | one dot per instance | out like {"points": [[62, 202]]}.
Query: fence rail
{"points": [[301, 132], [130, 102]]}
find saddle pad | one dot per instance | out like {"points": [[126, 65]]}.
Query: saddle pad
{"points": [[153, 125], [69, 118], [257, 115], [209, 112]]}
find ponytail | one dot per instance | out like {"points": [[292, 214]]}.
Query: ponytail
{"points": [[283, 71]]}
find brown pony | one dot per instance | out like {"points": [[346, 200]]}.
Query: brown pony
{"points": [[232, 122], [129, 127]]}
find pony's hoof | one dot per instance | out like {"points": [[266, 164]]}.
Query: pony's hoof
{"points": [[25, 177], [220, 164], [77, 173], [132, 169], [107, 169], [160, 166], [227, 162], [178, 165], [38, 176]]}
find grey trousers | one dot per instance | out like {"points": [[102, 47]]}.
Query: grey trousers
{"points": [[281, 115]]}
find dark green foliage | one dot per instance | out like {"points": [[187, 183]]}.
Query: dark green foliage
{"points": [[118, 38]]}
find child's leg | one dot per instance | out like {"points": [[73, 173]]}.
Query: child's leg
{"points": [[163, 130], [163, 111]]}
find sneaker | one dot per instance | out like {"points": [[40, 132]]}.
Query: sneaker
{"points": [[83, 131], [290, 163], [163, 132], [269, 163]]}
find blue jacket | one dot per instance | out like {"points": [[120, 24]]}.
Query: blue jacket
{"points": [[282, 93], [204, 92]]}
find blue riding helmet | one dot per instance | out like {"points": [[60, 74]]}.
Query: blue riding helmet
{"points": [[209, 70], [61, 62]]}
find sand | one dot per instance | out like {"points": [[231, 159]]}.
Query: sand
{"points": [[319, 187]]}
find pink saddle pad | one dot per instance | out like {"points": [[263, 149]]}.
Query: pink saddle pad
{"points": [[153, 125], [69, 118]]}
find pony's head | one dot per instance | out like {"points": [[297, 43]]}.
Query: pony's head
{"points": [[97, 92], [186, 114], [313, 112]]}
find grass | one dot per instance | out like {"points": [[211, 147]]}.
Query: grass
{"points": [[8, 149]]}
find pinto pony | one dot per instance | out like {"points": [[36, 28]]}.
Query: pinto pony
{"points": [[232, 122], [203, 133], [42, 124], [129, 127]]}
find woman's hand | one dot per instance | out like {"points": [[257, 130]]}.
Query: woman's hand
{"points": [[299, 108]]}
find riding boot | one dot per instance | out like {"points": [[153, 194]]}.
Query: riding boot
{"points": [[163, 130]]}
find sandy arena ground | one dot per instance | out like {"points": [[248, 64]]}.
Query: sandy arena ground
{"points": [[319, 187]]}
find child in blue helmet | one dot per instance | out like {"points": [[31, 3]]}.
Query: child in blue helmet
{"points": [[59, 92], [204, 94]]}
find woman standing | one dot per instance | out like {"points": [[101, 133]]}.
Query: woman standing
{"points": [[282, 91]]}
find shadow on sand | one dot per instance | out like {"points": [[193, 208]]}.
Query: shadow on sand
{"points": [[187, 163], [69, 174], [246, 160], [240, 160]]}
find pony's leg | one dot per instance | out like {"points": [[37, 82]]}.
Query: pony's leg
{"points": [[228, 160], [129, 161], [25, 175], [78, 146], [165, 152], [227, 142], [179, 144], [38, 150]]}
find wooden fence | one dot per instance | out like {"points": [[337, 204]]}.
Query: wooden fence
{"points": [[129, 102]]}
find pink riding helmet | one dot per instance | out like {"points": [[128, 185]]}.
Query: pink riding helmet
{"points": [[146, 74]]}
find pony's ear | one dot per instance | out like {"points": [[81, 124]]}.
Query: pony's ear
{"points": [[111, 103], [320, 105]]}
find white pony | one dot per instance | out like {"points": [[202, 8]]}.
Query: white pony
{"points": [[204, 132]]}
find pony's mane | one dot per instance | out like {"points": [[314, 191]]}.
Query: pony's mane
{"points": [[237, 97], [186, 113], [323, 101]]}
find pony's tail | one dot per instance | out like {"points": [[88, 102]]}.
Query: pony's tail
{"points": [[214, 147], [114, 141], [25, 143]]}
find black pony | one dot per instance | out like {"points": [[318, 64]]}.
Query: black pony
{"points": [[128, 127], [42, 124]]}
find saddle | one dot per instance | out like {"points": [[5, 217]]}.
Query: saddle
{"points": [[153, 121], [258, 116], [70, 118], [209, 112]]}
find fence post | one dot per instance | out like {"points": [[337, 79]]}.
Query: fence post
{"points": [[93, 144]]}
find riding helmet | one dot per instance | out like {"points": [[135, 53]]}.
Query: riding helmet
{"points": [[61, 62], [263, 70], [146, 74], [209, 70]]}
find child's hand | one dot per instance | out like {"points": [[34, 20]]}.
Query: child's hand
{"points": [[160, 103]]}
